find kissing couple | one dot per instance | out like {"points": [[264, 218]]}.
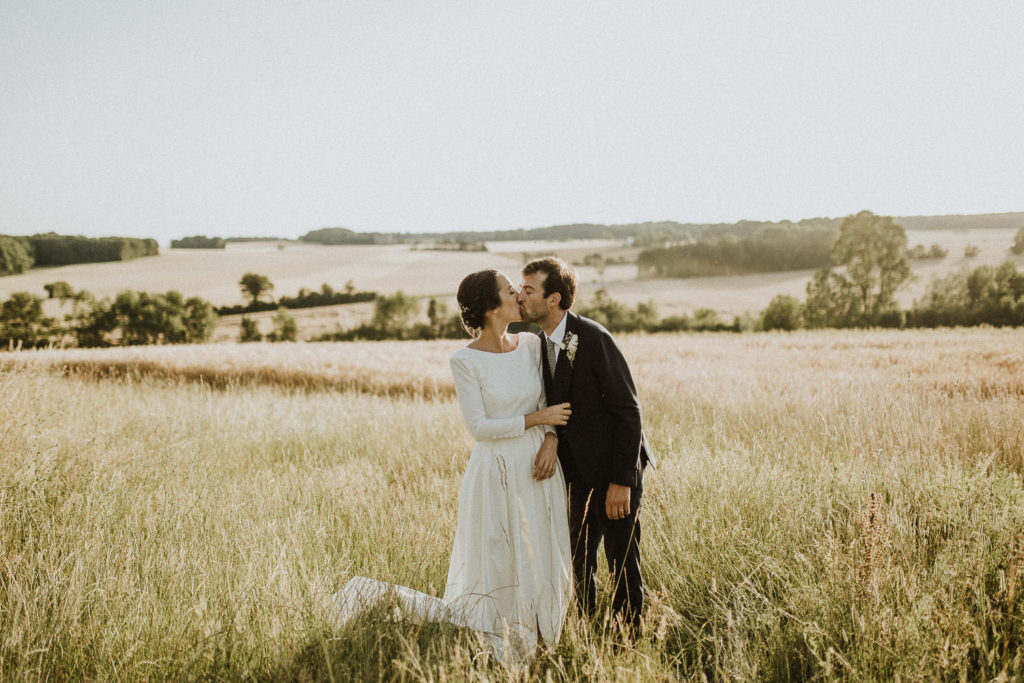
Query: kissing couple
{"points": [[557, 467]]}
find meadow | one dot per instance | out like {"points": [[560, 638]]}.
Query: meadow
{"points": [[827, 505]]}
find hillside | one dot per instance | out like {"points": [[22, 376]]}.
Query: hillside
{"points": [[652, 232]]}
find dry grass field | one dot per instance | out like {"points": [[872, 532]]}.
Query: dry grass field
{"points": [[827, 506]]}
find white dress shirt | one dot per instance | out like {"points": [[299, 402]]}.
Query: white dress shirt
{"points": [[558, 335]]}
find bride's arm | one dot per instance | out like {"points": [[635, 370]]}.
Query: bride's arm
{"points": [[483, 428]]}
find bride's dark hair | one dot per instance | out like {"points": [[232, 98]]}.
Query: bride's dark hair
{"points": [[478, 294]]}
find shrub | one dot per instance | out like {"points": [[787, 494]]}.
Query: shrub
{"points": [[285, 329], [784, 312], [59, 290], [1018, 242], [934, 252], [708, 320], [22, 320], [616, 316], [249, 330], [392, 314]]}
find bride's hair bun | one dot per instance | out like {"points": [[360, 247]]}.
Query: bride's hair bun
{"points": [[478, 294]]}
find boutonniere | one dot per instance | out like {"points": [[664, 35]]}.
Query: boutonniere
{"points": [[570, 343]]}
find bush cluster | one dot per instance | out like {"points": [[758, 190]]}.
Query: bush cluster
{"points": [[131, 318], [987, 295]]}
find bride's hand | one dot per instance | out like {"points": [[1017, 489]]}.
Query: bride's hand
{"points": [[547, 459], [556, 415]]}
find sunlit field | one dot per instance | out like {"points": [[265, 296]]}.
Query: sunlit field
{"points": [[830, 505]]}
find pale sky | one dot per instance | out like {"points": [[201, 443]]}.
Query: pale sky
{"points": [[170, 118]]}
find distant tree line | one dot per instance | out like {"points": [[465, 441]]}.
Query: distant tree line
{"points": [[646, 234], [255, 287], [131, 318], [251, 238], [767, 249], [18, 254], [199, 242]]}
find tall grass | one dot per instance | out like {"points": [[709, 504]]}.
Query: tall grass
{"points": [[826, 505]]}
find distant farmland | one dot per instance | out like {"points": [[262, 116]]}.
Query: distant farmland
{"points": [[214, 274]]}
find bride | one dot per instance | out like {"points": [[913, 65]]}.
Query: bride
{"points": [[509, 573]]}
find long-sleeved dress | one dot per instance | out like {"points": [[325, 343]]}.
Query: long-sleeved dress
{"points": [[510, 572]]}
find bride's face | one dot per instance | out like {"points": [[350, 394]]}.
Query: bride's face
{"points": [[509, 308]]}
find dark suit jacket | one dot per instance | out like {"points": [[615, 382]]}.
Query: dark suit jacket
{"points": [[604, 441]]}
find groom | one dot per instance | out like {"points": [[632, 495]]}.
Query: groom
{"points": [[602, 449]]}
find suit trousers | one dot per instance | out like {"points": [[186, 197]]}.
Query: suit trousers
{"points": [[588, 526]]}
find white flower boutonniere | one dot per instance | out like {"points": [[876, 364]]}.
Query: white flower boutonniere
{"points": [[569, 344]]}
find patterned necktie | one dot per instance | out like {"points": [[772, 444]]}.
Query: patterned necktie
{"points": [[552, 358]]}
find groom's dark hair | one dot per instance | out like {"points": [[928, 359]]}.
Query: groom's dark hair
{"points": [[559, 277]]}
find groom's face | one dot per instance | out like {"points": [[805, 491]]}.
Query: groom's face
{"points": [[533, 306]]}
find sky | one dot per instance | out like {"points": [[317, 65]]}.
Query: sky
{"points": [[165, 119]]}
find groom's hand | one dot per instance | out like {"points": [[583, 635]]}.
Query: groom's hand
{"points": [[616, 502]]}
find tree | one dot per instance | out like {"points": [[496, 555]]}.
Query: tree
{"points": [[285, 328], [784, 312], [1018, 242], [21, 319], [832, 301], [146, 318], [254, 286], [393, 314], [92, 321], [200, 320], [15, 255], [437, 314], [249, 330], [873, 252]]}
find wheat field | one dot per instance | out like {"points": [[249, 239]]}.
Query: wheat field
{"points": [[827, 505]]}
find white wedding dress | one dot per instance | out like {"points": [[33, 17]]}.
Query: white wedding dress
{"points": [[510, 572]]}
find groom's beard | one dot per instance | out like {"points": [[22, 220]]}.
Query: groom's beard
{"points": [[528, 317]]}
